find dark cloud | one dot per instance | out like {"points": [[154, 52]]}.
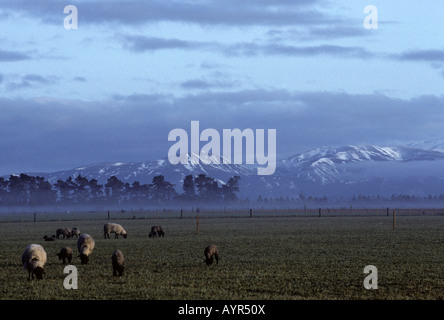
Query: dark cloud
{"points": [[422, 55], [79, 79], [201, 84], [251, 49], [29, 81], [35, 78], [212, 12], [344, 29], [12, 56], [56, 134], [143, 44]]}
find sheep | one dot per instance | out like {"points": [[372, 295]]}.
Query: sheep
{"points": [[52, 238], [63, 232], [68, 232], [210, 252], [117, 262], [65, 253], [75, 232], [113, 228], [85, 245], [156, 231], [33, 259]]}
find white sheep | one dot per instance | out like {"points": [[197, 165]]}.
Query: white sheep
{"points": [[33, 259], [85, 245], [113, 228]]}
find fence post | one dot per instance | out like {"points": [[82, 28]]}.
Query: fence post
{"points": [[197, 223], [108, 215], [319, 211], [394, 220], [387, 212], [35, 217], [251, 213], [181, 213]]}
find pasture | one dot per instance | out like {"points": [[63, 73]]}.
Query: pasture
{"points": [[278, 258]]}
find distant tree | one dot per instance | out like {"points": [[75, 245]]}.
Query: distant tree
{"points": [[114, 189], [3, 190], [25, 189], [43, 192], [95, 190], [189, 190], [208, 188], [230, 189], [139, 192], [161, 190], [81, 189]]}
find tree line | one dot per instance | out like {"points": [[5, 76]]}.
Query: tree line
{"points": [[24, 189]]}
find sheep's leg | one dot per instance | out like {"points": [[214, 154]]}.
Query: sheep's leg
{"points": [[217, 258]]}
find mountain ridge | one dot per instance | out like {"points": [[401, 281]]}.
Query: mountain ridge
{"points": [[324, 171]]}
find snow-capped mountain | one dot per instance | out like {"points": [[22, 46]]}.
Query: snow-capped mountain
{"points": [[331, 171], [433, 144], [367, 170], [145, 171]]}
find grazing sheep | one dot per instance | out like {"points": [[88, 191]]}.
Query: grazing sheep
{"points": [[75, 232], [52, 238], [117, 262], [63, 232], [156, 231], [113, 228], [210, 252], [85, 245], [65, 253], [33, 259]]}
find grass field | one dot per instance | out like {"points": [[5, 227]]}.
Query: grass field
{"points": [[260, 258]]}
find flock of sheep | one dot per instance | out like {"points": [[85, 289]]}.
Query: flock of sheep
{"points": [[34, 257]]}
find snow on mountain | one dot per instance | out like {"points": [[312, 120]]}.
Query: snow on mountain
{"points": [[431, 144], [331, 171]]}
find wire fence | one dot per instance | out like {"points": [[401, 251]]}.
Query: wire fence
{"points": [[165, 213]]}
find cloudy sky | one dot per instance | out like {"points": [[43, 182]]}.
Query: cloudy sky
{"points": [[112, 89]]}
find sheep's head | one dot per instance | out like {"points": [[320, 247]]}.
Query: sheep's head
{"points": [[125, 236], [39, 272], [84, 258], [208, 261]]}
